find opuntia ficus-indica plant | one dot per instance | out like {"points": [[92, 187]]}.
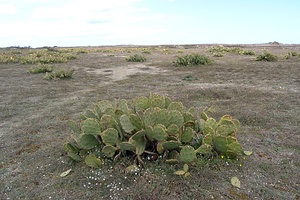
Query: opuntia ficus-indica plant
{"points": [[149, 127]]}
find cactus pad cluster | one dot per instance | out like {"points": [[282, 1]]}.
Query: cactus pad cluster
{"points": [[149, 127]]}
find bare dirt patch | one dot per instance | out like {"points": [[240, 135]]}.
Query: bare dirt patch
{"points": [[118, 73]]}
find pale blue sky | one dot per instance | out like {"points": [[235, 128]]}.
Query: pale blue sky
{"points": [[147, 22]]}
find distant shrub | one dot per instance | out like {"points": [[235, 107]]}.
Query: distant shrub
{"points": [[59, 74], [189, 78], [218, 54], [222, 49], [247, 52], [266, 56], [40, 68], [192, 60], [146, 50], [292, 53], [136, 58]]}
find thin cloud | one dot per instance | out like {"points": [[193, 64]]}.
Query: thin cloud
{"points": [[7, 9]]}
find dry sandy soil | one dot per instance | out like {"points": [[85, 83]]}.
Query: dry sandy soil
{"points": [[264, 96]]}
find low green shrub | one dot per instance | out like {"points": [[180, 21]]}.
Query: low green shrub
{"points": [[222, 49], [247, 52], [266, 56], [146, 50], [136, 58], [218, 54], [150, 128], [40, 68], [292, 53], [59, 74], [192, 60], [36, 56]]}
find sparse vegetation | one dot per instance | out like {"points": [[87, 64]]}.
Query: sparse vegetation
{"points": [[292, 53], [221, 49], [36, 56], [146, 50], [247, 52], [266, 56], [40, 68], [136, 58], [264, 96], [192, 60], [189, 78], [218, 54], [59, 73]]}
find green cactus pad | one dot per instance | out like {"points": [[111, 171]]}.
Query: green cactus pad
{"points": [[71, 148], [149, 133], [190, 124], [187, 135], [139, 141], [154, 96], [110, 136], [171, 145], [110, 111], [211, 122], [124, 106], [226, 130], [159, 132], [91, 114], [108, 121], [237, 124], [208, 139], [173, 154], [88, 141], [172, 137], [204, 149], [136, 121], [187, 154], [90, 126], [93, 161], [176, 106], [188, 117], [74, 127], [203, 116], [98, 111], [142, 103], [226, 117], [150, 117], [126, 146], [103, 105], [199, 125], [167, 101], [159, 148], [118, 113], [158, 102], [173, 130], [185, 168], [235, 147], [176, 118], [109, 151], [226, 122], [208, 130], [220, 144], [162, 117], [126, 124], [132, 169], [75, 156]]}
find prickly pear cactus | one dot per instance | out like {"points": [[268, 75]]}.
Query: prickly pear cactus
{"points": [[150, 126]]}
